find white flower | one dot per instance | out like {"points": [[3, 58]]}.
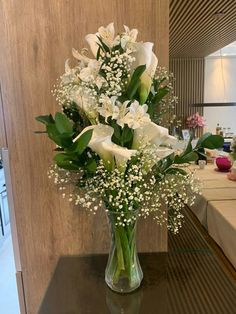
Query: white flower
{"points": [[69, 75], [105, 33], [91, 71], [85, 102], [153, 134], [109, 108], [101, 134], [123, 110], [101, 144], [121, 154], [128, 37], [80, 56], [144, 56], [93, 41], [137, 115]]}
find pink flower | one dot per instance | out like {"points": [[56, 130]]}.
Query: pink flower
{"points": [[195, 121]]}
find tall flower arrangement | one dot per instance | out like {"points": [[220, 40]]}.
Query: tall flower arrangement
{"points": [[109, 147]]}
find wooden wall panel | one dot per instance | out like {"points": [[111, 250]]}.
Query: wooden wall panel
{"points": [[37, 38], [188, 85], [3, 138]]}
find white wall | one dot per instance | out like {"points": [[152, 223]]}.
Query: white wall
{"points": [[214, 91]]}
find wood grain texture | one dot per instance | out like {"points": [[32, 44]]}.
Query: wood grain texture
{"points": [[37, 39], [3, 138]]}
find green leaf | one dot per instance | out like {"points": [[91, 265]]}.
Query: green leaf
{"points": [[176, 170], [91, 165], [203, 138], [104, 46], [127, 135], [63, 124], [135, 81], [211, 141], [192, 156], [162, 92], [63, 140], [64, 161], [45, 119], [82, 142]]}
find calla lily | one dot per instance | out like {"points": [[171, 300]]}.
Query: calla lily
{"points": [[153, 134], [144, 56], [121, 154], [101, 134], [101, 144]]}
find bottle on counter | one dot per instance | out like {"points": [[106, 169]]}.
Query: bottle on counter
{"points": [[218, 129]]}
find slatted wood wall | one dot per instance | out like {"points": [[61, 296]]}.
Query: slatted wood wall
{"points": [[188, 85], [195, 30], [36, 38]]}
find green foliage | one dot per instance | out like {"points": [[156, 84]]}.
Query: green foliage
{"points": [[63, 124], [155, 99], [210, 141], [45, 119], [73, 155], [81, 143], [135, 82]]}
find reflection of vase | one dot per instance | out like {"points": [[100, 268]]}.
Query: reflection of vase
{"points": [[119, 303], [123, 271]]}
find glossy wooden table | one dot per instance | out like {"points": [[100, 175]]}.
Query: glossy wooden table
{"points": [[189, 279]]}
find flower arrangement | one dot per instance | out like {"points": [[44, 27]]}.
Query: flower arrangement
{"points": [[195, 121], [111, 153]]}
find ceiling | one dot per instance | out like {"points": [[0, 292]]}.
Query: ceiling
{"points": [[196, 32]]}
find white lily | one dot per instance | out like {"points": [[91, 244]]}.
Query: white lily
{"points": [[129, 37], [70, 74], [121, 154], [80, 56], [93, 41], [105, 33], [109, 108], [90, 72], [137, 115], [123, 110], [153, 134], [101, 134], [144, 56], [85, 102]]}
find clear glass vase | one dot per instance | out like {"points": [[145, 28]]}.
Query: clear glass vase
{"points": [[123, 272]]}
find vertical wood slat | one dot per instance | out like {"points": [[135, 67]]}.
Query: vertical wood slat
{"points": [[189, 36], [188, 86], [37, 39]]}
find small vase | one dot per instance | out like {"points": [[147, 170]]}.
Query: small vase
{"points": [[123, 271]]}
